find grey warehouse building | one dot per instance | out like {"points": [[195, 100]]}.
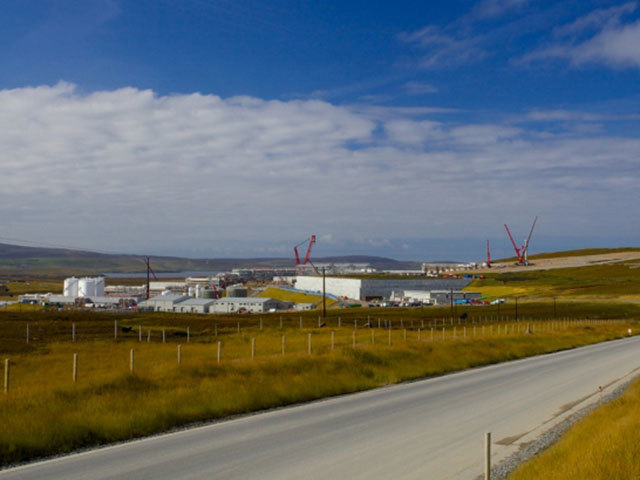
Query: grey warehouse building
{"points": [[187, 304], [377, 288]]}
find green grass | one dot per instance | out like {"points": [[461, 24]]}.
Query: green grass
{"points": [[45, 412], [595, 281], [297, 297], [603, 446], [573, 253]]}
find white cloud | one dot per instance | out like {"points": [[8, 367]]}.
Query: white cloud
{"points": [[129, 170], [600, 37], [441, 48], [419, 88], [494, 8]]}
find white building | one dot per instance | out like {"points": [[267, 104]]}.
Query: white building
{"points": [[194, 305], [375, 288], [162, 303], [248, 305]]}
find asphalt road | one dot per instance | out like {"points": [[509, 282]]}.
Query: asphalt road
{"points": [[431, 429]]}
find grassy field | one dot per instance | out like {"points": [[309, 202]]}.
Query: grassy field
{"points": [[297, 297], [46, 412], [603, 446], [620, 281]]}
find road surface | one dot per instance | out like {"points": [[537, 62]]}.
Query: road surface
{"points": [[430, 429]]}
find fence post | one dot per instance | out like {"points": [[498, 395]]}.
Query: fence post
{"points": [[432, 334], [28, 333], [309, 344], [73, 332], [131, 359], [219, 350], [284, 340], [333, 339], [148, 336], [238, 327], [6, 375], [115, 330], [487, 456], [164, 337], [75, 367], [188, 334], [253, 348], [443, 333]]}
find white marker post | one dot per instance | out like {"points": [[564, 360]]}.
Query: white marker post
{"points": [[219, 350]]}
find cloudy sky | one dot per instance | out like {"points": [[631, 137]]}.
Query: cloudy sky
{"points": [[221, 128]]}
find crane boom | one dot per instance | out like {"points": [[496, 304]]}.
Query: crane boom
{"points": [[312, 240], [526, 245], [518, 253]]}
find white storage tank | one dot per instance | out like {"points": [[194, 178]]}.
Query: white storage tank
{"points": [[70, 287], [190, 292], [86, 287], [198, 291], [99, 287]]}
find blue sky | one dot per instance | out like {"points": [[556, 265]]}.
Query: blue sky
{"points": [[238, 128]]}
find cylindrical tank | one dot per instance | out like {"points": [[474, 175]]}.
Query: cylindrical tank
{"points": [[86, 287], [207, 293], [190, 292], [198, 290], [237, 291], [70, 287], [99, 286]]}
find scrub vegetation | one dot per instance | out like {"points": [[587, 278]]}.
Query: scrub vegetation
{"points": [[45, 412], [603, 446], [619, 281]]}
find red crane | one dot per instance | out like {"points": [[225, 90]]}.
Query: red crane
{"points": [[521, 252], [311, 241], [149, 270]]}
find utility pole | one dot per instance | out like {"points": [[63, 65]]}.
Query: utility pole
{"points": [[148, 278], [451, 304], [324, 295]]}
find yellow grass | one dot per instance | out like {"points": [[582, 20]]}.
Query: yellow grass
{"points": [[45, 412], [603, 446], [297, 297]]}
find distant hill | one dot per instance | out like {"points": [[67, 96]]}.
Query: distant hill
{"points": [[17, 260]]}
